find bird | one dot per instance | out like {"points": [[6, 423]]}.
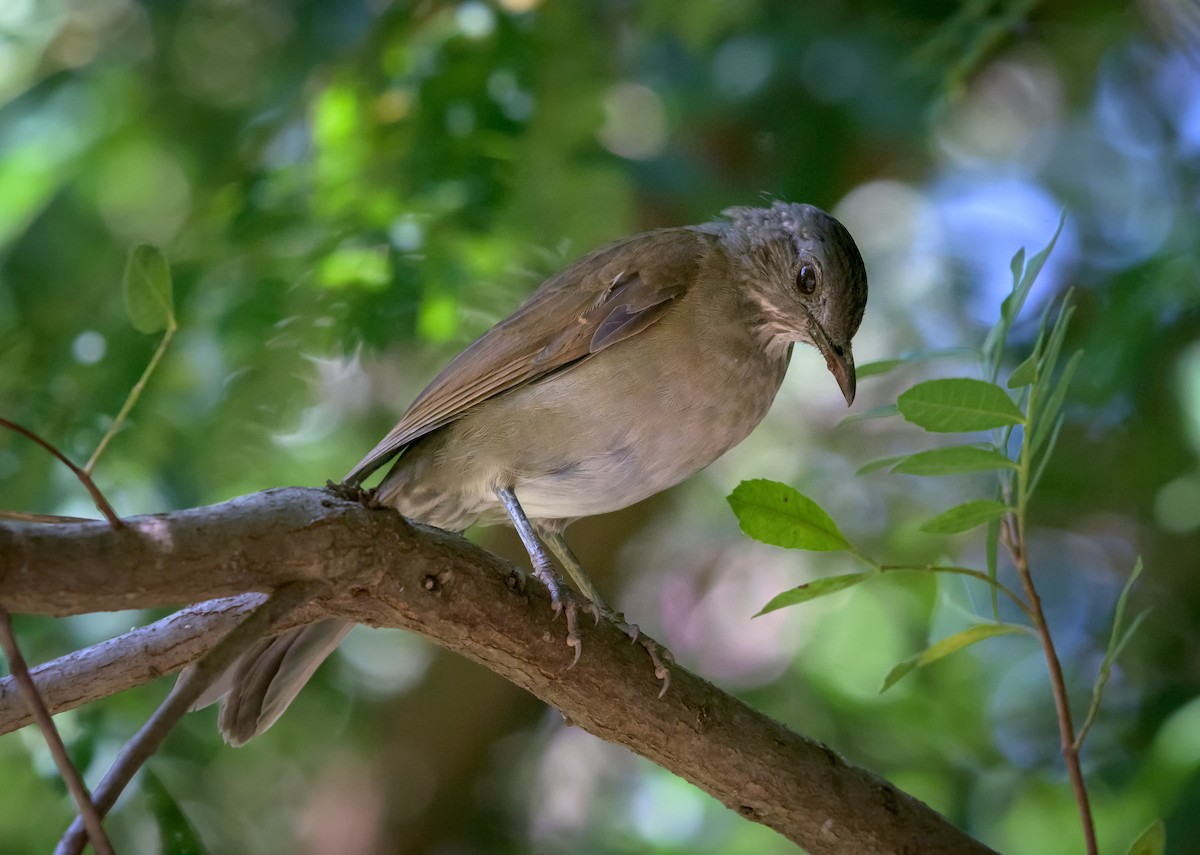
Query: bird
{"points": [[624, 374]]}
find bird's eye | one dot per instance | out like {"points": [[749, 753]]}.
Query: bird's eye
{"points": [[806, 279]]}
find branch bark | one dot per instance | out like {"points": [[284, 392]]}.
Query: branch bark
{"points": [[379, 569]]}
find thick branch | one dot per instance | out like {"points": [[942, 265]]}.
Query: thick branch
{"points": [[383, 571]]}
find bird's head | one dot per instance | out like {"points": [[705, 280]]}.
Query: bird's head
{"points": [[806, 280]]}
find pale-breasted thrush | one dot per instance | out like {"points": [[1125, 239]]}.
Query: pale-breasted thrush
{"points": [[632, 369]]}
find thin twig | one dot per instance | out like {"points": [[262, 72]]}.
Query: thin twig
{"points": [[143, 654], [84, 478], [132, 398], [89, 816], [1013, 533], [51, 519], [189, 687], [1014, 539]]}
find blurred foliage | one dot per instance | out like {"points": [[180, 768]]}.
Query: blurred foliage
{"points": [[348, 192]]}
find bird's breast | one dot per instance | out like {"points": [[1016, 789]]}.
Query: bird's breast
{"points": [[609, 432], [616, 428]]}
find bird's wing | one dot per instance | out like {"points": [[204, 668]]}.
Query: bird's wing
{"points": [[606, 297]]}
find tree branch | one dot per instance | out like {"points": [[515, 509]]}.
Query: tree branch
{"points": [[128, 660], [91, 829], [381, 570], [187, 691]]}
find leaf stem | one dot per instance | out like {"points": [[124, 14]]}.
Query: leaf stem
{"points": [[962, 571], [132, 398]]}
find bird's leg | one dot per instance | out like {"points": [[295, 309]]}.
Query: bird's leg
{"points": [[561, 598], [659, 656], [554, 538]]}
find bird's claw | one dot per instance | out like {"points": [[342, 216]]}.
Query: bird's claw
{"points": [[567, 605], [660, 657], [663, 660]]}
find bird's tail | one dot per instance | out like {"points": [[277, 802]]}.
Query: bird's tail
{"points": [[256, 689]]}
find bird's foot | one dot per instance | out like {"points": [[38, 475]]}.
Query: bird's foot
{"points": [[368, 498], [565, 602], [662, 658]]}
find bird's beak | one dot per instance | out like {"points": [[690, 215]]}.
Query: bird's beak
{"points": [[840, 361]]}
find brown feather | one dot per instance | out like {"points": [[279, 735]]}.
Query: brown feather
{"points": [[606, 297]]}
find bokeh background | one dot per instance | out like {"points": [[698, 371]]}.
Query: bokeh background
{"points": [[350, 191]]}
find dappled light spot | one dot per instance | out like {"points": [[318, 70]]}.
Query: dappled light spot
{"points": [[1177, 505], [382, 663], [635, 122], [143, 193], [833, 70], [1009, 113], [437, 317], [984, 217], [667, 811], [406, 234], [89, 347], [475, 19], [1188, 383], [362, 266], [742, 66]]}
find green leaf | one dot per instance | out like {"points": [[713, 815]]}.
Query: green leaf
{"points": [[882, 411], [1016, 300], [1025, 373], [1036, 478], [1152, 841], [1017, 265], [1047, 414], [1117, 640], [946, 646], [992, 550], [813, 590], [881, 463], [1038, 354], [966, 516], [1057, 335], [883, 366], [953, 460], [147, 290], [783, 516], [1011, 307], [874, 369], [176, 834], [898, 673], [958, 404]]}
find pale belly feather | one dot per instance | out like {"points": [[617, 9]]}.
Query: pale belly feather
{"points": [[586, 441]]}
